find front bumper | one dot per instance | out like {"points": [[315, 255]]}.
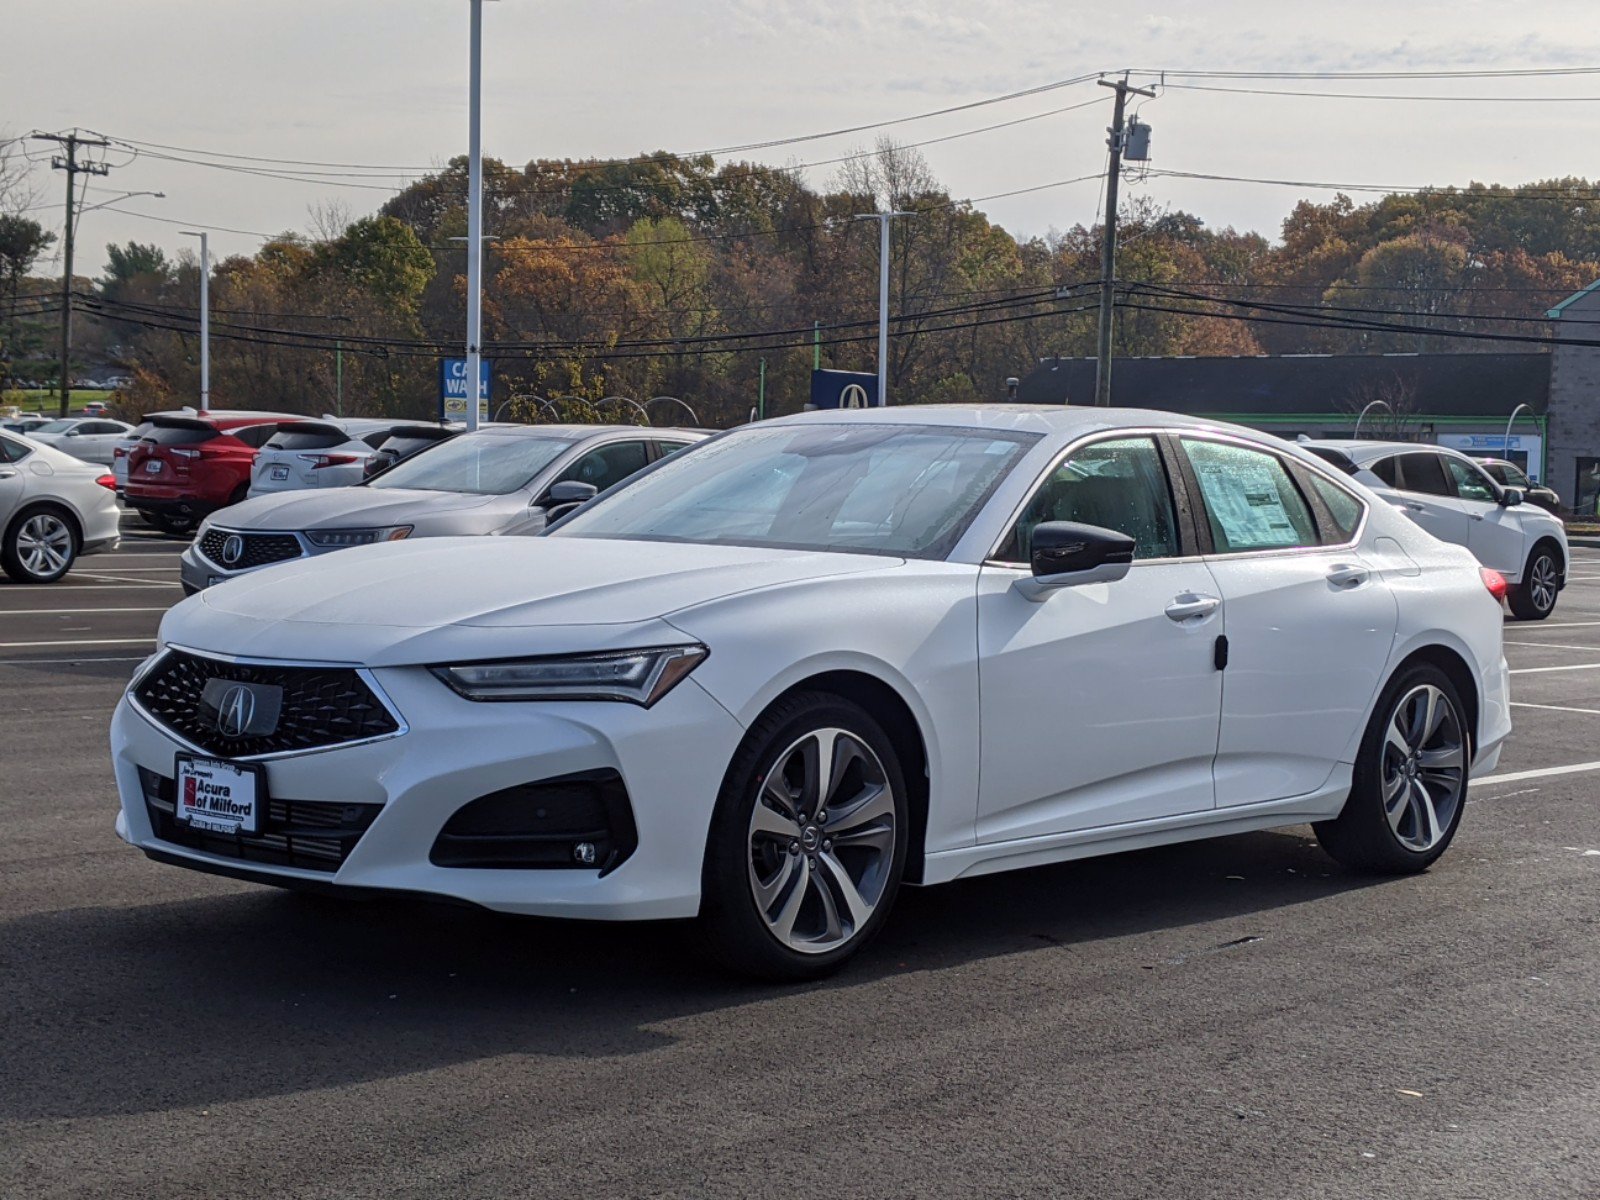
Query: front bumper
{"points": [[670, 757]]}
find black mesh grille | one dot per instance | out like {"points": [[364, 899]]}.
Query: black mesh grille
{"points": [[322, 706], [258, 549], [309, 834]]}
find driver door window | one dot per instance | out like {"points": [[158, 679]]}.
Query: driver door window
{"points": [[1470, 483], [1119, 485], [608, 465]]}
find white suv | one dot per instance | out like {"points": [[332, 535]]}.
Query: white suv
{"points": [[1454, 498]]}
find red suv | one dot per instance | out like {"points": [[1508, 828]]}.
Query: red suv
{"points": [[186, 467]]}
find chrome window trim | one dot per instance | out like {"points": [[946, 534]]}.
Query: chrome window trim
{"points": [[363, 673], [1154, 433]]}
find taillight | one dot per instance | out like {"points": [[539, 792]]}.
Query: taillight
{"points": [[1494, 581], [180, 453], [326, 460], [119, 452], [109, 482]]}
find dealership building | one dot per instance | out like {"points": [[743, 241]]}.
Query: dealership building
{"points": [[1463, 401]]}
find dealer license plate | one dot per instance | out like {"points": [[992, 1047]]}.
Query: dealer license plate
{"points": [[153, 467], [279, 473], [220, 797]]}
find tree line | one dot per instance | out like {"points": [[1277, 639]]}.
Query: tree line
{"points": [[686, 277]]}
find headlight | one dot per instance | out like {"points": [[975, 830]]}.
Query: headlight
{"points": [[637, 676], [336, 538]]}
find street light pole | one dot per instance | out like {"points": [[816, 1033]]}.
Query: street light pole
{"points": [[883, 220], [205, 318], [475, 219]]}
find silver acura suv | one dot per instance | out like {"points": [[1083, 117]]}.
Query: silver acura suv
{"points": [[505, 479]]}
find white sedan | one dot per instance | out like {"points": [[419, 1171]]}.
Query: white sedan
{"points": [[92, 439], [774, 677], [53, 508]]}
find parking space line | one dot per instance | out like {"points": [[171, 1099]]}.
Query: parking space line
{"points": [[1573, 667], [1553, 645], [1540, 627], [97, 587], [1539, 773], [128, 641], [67, 612], [1593, 712]]}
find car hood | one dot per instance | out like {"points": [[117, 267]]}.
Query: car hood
{"points": [[345, 507], [410, 602]]}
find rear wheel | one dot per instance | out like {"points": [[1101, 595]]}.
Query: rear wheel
{"points": [[1410, 783], [1534, 598], [39, 547], [808, 842]]}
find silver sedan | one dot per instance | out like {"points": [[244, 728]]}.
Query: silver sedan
{"points": [[53, 507]]}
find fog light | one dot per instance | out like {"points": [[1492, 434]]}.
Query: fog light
{"points": [[585, 853]]}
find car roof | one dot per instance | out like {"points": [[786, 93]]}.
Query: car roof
{"points": [[1064, 419], [1366, 451]]}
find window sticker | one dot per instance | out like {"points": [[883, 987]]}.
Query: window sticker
{"points": [[1246, 503]]}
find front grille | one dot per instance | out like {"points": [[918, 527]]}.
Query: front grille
{"points": [[256, 549], [322, 706], [310, 834]]}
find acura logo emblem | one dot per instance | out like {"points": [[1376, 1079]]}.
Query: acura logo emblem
{"points": [[237, 710], [232, 549]]}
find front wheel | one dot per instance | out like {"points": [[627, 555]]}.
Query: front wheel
{"points": [[1410, 782], [1534, 598], [808, 842], [40, 547]]}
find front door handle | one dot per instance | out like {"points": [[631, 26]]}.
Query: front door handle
{"points": [[1191, 606], [7, 473], [1411, 506], [1348, 575]]}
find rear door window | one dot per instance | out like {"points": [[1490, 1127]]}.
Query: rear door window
{"points": [[1423, 472], [1343, 508], [1388, 470], [11, 452], [1250, 498], [180, 435], [254, 435], [311, 439]]}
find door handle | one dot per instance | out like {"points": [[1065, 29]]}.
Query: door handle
{"points": [[1476, 516], [1411, 506], [8, 473], [1348, 575], [1190, 606]]}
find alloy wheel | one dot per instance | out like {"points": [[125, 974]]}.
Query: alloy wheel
{"points": [[821, 841], [44, 545], [1424, 768], [1542, 583]]}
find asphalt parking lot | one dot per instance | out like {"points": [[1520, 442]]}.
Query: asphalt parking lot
{"points": [[1236, 1017]]}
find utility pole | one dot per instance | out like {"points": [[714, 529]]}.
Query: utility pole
{"points": [[883, 220], [68, 162], [1108, 252], [475, 218], [205, 317]]}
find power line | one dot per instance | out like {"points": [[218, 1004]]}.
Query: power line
{"points": [[1471, 191], [1493, 73], [1243, 91]]}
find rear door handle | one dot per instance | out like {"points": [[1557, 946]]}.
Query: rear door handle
{"points": [[1190, 606], [8, 474], [1411, 506], [1348, 575]]}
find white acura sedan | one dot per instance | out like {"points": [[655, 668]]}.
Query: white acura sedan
{"points": [[771, 678]]}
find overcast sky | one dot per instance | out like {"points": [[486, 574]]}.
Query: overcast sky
{"points": [[385, 82]]}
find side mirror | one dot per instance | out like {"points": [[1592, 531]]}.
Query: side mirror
{"points": [[1066, 554], [567, 495], [1511, 497]]}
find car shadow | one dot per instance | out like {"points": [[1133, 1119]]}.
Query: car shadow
{"points": [[257, 993]]}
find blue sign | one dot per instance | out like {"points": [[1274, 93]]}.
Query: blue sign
{"points": [[843, 389], [453, 389]]}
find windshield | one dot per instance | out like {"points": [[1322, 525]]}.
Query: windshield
{"points": [[485, 464], [54, 427], [907, 490]]}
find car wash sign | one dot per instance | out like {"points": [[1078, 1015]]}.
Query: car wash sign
{"points": [[453, 389], [843, 389]]}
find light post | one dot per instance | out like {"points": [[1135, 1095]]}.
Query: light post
{"points": [[205, 317], [475, 218], [1371, 404], [883, 220]]}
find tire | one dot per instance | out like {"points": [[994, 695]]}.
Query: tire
{"points": [[1405, 806], [39, 546], [1534, 598], [172, 524], [780, 900]]}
